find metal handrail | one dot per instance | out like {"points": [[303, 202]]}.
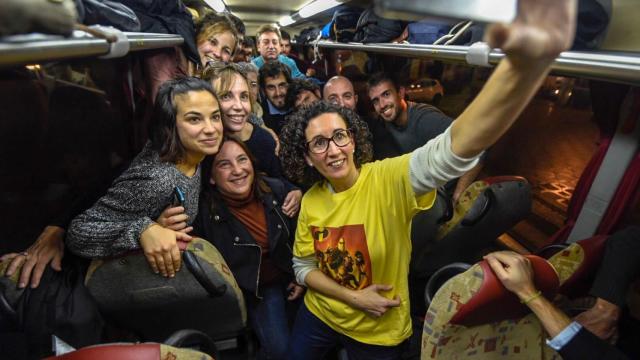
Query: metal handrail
{"points": [[609, 66], [52, 48]]}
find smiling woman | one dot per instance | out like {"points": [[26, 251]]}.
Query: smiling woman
{"points": [[187, 126], [216, 37], [232, 88], [239, 214]]}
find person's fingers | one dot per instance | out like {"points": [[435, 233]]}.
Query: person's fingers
{"points": [[497, 267], [16, 262], [168, 263], [182, 217], [177, 226], [7, 257], [496, 35], [161, 265], [177, 259], [382, 287], [27, 268], [152, 262], [37, 272], [186, 230], [394, 302], [171, 211], [56, 263], [180, 236]]}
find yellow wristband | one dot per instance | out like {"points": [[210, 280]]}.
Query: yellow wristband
{"points": [[533, 297]]}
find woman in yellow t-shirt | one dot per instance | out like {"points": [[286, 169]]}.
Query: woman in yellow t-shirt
{"points": [[352, 244]]}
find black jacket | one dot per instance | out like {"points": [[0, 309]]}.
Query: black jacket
{"points": [[585, 345], [239, 249]]}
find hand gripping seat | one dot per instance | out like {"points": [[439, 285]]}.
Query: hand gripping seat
{"points": [[485, 210], [203, 295], [473, 316]]}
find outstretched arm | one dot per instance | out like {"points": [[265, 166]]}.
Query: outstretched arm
{"points": [[541, 30]]}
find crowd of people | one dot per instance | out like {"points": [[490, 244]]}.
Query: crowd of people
{"points": [[271, 158]]}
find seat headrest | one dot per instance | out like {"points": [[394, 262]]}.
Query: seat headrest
{"points": [[493, 302], [149, 351]]}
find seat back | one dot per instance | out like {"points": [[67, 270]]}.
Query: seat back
{"points": [[473, 316], [485, 210], [146, 351], [205, 297], [424, 228], [577, 264]]}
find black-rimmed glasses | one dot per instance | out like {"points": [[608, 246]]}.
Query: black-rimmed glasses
{"points": [[320, 144]]}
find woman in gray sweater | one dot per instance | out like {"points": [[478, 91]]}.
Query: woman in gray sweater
{"points": [[186, 127]]}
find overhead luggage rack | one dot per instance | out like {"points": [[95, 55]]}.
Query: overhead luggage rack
{"points": [[609, 66], [34, 48]]}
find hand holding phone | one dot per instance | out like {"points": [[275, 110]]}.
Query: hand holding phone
{"points": [[174, 217]]}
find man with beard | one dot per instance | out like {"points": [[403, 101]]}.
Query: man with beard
{"points": [[339, 90], [411, 124], [274, 81], [302, 92]]}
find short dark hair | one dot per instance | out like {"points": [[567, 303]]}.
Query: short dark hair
{"points": [[238, 23], [248, 41], [296, 86], [380, 77], [211, 196], [285, 35], [163, 133], [293, 142], [273, 69]]}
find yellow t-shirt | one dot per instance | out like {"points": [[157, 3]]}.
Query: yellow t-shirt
{"points": [[360, 237]]}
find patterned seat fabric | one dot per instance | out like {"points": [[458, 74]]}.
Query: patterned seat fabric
{"points": [[521, 338]]}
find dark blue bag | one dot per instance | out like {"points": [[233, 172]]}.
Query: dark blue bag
{"points": [[375, 29], [344, 24], [423, 32]]}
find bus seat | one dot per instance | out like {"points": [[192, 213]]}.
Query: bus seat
{"points": [[485, 210], [424, 227], [473, 315], [203, 296], [145, 351], [576, 264]]}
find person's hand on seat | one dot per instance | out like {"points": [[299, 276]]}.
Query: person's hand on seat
{"points": [[48, 249], [161, 249], [514, 271]]}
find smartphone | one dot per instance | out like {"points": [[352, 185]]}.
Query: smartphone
{"points": [[177, 199]]}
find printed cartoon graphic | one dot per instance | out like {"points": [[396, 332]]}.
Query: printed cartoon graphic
{"points": [[343, 255]]}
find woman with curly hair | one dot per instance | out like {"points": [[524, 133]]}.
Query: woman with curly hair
{"points": [[356, 217]]}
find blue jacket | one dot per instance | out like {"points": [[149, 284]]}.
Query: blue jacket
{"points": [[295, 72]]}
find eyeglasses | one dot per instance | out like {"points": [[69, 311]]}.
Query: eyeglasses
{"points": [[320, 144]]}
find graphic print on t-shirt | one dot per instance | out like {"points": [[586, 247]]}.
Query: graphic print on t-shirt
{"points": [[343, 255]]}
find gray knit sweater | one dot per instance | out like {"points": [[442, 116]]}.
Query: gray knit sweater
{"points": [[135, 200]]}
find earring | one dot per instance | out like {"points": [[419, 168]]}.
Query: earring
{"points": [[310, 164]]}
